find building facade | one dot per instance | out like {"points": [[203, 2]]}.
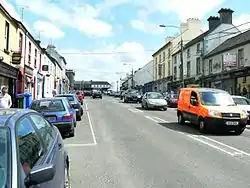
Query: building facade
{"points": [[71, 76], [8, 52]]}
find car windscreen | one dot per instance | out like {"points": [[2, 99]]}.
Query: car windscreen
{"points": [[216, 99], [69, 97], [49, 106], [155, 96], [241, 101], [5, 157]]}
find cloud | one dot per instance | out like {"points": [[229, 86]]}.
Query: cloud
{"points": [[48, 30], [242, 22], [147, 27], [85, 18], [107, 63]]}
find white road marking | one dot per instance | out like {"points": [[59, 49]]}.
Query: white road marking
{"points": [[162, 120], [134, 110], [91, 128], [79, 145], [152, 119], [218, 145]]}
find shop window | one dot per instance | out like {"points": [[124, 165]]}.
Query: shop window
{"points": [[241, 57], [21, 43], [164, 56], [198, 66], [188, 69], [169, 67], [35, 59], [210, 66]]}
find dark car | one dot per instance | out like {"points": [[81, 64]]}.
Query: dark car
{"points": [[172, 100], [79, 95], [32, 152], [132, 96], [58, 112], [96, 94], [72, 98]]}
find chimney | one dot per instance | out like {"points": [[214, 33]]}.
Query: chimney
{"points": [[213, 21], [38, 42], [226, 15]]}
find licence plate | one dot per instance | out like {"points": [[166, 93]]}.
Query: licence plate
{"points": [[51, 118], [232, 123]]}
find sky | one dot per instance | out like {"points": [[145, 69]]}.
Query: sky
{"points": [[105, 39]]}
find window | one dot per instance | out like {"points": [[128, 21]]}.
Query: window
{"points": [[163, 69], [35, 59], [164, 56], [29, 144], [188, 68], [175, 72], [159, 69], [49, 106], [241, 57], [156, 60], [198, 66], [169, 67], [241, 101], [193, 97], [175, 59], [40, 62], [198, 48], [44, 129], [29, 55], [160, 58], [169, 53], [7, 35], [21, 43], [216, 99], [210, 66], [188, 52]]}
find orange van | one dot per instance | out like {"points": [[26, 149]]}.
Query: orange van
{"points": [[211, 109]]}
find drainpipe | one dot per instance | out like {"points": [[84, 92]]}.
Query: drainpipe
{"points": [[24, 59]]}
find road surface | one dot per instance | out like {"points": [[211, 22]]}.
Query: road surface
{"points": [[119, 145]]}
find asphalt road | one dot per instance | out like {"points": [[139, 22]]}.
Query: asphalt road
{"points": [[122, 146]]}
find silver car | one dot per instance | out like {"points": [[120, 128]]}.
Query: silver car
{"points": [[154, 100]]}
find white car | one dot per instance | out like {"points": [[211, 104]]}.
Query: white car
{"points": [[244, 103], [154, 100]]}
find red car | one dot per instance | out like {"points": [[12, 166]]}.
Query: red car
{"points": [[80, 96]]}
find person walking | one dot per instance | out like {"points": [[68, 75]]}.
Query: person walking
{"points": [[5, 98]]}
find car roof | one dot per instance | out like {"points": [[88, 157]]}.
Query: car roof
{"points": [[12, 114], [201, 89], [49, 98], [237, 96], [61, 95]]}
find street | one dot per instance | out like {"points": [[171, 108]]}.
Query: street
{"points": [[122, 146]]}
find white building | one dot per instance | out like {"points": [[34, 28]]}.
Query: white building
{"points": [[220, 29], [144, 74]]}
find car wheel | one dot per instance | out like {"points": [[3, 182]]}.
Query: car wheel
{"points": [[142, 106], [239, 131], [72, 132], [66, 177], [202, 126], [181, 120], [165, 108], [79, 118], [82, 103], [75, 123], [146, 106]]}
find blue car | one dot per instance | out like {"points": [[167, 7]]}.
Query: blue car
{"points": [[58, 112], [32, 152], [75, 103]]}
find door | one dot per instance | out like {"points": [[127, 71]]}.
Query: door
{"points": [[193, 107], [54, 148]]}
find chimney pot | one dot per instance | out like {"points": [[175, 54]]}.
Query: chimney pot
{"points": [[213, 21], [226, 15]]}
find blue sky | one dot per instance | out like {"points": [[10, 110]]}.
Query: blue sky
{"points": [[92, 33]]}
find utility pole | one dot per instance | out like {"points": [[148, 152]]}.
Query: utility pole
{"points": [[182, 65], [117, 85], [132, 78]]}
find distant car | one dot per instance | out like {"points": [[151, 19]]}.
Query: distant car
{"points": [[72, 98], [79, 95], [96, 94], [32, 152], [154, 100], [172, 100], [244, 104], [58, 112], [132, 96]]}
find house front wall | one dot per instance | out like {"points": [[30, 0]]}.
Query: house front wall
{"points": [[145, 74]]}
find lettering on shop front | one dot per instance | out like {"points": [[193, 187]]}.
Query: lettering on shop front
{"points": [[28, 70], [8, 71]]}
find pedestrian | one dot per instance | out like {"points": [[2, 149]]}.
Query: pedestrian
{"points": [[5, 98], [54, 93]]}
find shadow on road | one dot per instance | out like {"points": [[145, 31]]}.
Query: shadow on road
{"points": [[140, 108]]}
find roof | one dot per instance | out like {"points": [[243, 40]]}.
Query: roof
{"points": [[101, 82], [203, 89], [6, 12], [199, 38], [178, 51], [161, 48], [238, 40]]}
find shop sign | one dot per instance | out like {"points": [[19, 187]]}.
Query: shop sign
{"points": [[45, 68], [16, 58], [28, 70], [8, 71]]}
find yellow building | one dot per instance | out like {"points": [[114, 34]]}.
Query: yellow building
{"points": [[8, 50]]}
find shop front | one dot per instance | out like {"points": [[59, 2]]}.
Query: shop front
{"points": [[39, 85], [8, 77], [29, 81], [243, 82]]}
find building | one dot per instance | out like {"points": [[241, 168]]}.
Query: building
{"points": [[220, 29], [144, 75], [228, 66], [71, 76], [60, 68], [49, 72], [163, 57], [9, 52]]}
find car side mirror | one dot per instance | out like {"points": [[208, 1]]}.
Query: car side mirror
{"points": [[195, 102], [40, 174]]}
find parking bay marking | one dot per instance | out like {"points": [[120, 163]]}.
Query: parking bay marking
{"points": [[232, 151], [91, 128], [134, 110]]}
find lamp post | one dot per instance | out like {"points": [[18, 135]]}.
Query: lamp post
{"points": [[181, 66]]}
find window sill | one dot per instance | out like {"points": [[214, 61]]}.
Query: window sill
{"points": [[6, 51]]}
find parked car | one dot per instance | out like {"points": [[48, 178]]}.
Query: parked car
{"points": [[72, 98], [132, 96], [58, 112], [79, 95], [96, 94], [153, 100], [172, 100], [32, 152], [210, 109], [244, 104]]}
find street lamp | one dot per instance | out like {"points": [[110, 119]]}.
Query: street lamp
{"points": [[181, 66], [132, 75]]}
